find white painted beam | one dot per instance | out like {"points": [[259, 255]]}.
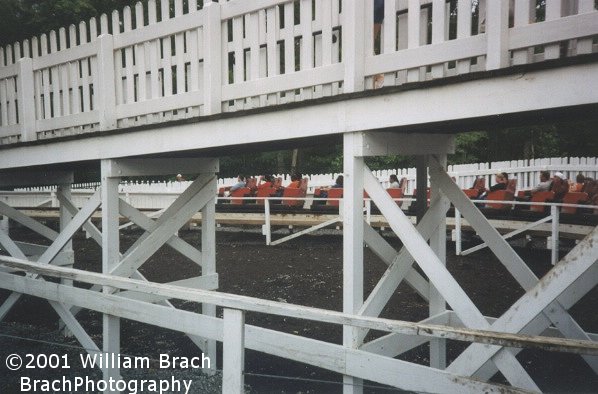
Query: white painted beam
{"points": [[35, 178], [233, 358], [320, 354], [169, 166], [534, 90], [387, 143]]}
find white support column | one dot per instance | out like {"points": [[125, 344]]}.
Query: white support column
{"points": [[64, 190], [458, 234], [352, 246], [422, 186], [110, 259], [26, 103], [554, 212], [497, 31], [354, 45], [208, 256], [233, 359], [212, 59], [267, 224], [106, 91], [437, 304]]}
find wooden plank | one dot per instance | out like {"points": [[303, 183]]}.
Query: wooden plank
{"points": [[561, 29], [233, 358], [85, 71], [427, 55], [159, 104], [263, 306], [289, 46], [140, 56], [307, 44], [553, 12], [284, 82]]}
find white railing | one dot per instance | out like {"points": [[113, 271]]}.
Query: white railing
{"points": [[150, 64]]}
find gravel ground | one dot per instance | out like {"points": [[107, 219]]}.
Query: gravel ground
{"points": [[305, 271]]}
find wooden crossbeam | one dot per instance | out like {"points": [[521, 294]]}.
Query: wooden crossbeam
{"points": [[62, 310], [50, 253], [505, 253], [177, 205], [289, 310], [164, 229], [440, 276], [28, 222], [556, 281], [401, 264], [150, 225], [333, 357]]}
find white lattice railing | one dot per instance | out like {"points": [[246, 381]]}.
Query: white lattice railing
{"points": [[169, 59]]}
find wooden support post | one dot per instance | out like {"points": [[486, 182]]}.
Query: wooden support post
{"points": [[106, 90], [110, 259], [437, 303], [422, 186], [497, 29], [233, 359], [212, 59], [208, 257], [354, 45], [352, 246], [64, 191], [26, 99], [554, 252]]}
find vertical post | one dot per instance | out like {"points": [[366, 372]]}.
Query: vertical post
{"points": [[438, 32], [437, 302], [110, 259], [26, 99], [497, 31], [267, 225], [354, 45], [585, 45], [67, 250], [212, 59], [554, 211], [352, 246], [522, 17], [106, 87], [233, 359], [208, 257], [413, 33], [458, 245], [421, 183]]}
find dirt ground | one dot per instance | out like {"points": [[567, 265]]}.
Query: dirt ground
{"points": [[308, 271]]}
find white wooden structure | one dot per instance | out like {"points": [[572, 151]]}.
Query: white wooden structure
{"points": [[158, 95]]}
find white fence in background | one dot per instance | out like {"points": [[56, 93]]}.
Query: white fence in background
{"points": [[157, 195], [168, 59]]}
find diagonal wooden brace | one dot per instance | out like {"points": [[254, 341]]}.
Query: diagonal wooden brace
{"points": [[27, 221], [573, 266], [400, 267], [440, 277], [168, 223], [61, 309], [150, 225], [505, 253], [59, 242]]}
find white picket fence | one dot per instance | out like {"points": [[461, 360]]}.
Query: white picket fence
{"points": [[159, 61]]}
